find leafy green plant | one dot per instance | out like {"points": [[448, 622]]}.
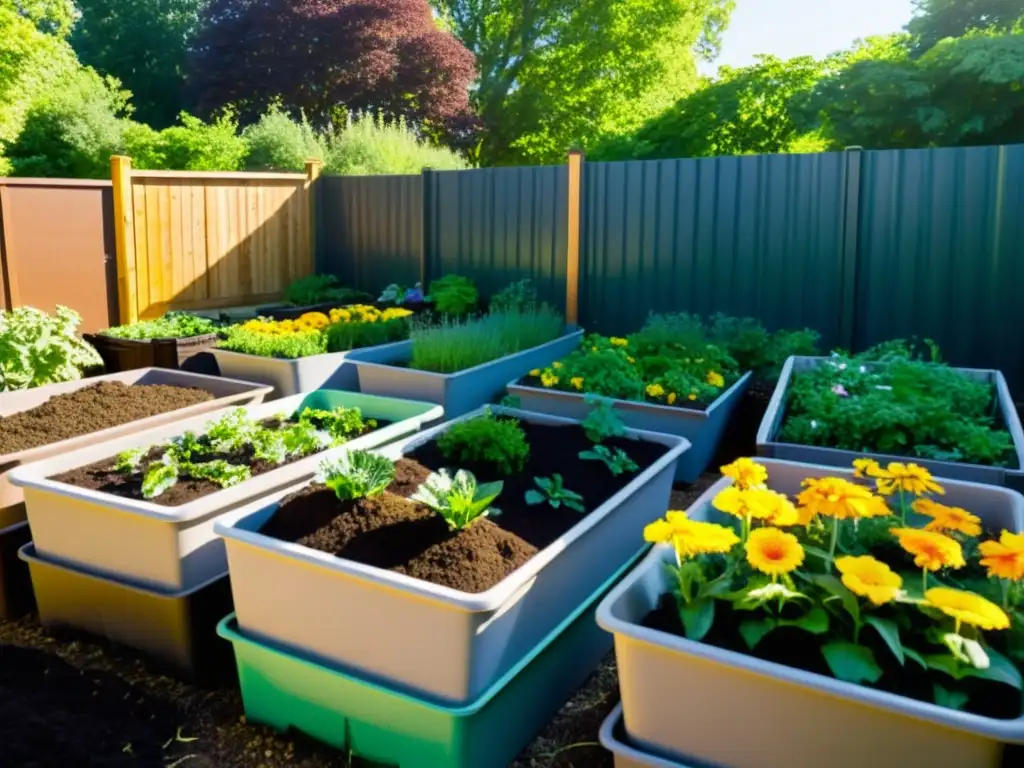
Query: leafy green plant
{"points": [[554, 493], [322, 289], [37, 348], [454, 295], [276, 142], [603, 421], [617, 461], [520, 296], [173, 325], [357, 475], [754, 348], [487, 440], [287, 346], [127, 462], [459, 500], [450, 346], [345, 336], [372, 145]]}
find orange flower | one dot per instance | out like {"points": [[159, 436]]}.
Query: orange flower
{"points": [[947, 518], [839, 498], [931, 551], [1004, 558], [909, 478], [774, 552]]}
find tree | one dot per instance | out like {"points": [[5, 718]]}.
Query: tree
{"points": [[143, 43], [314, 56], [558, 73], [935, 20], [51, 17]]}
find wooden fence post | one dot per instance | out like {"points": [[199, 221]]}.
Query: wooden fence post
{"points": [[12, 297], [572, 262], [124, 238], [313, 169]]}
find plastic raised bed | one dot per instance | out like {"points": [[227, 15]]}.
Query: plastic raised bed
{"points": [[359, 618], [175, 547], [612, 738], [702, 427], [389, 727], [768, 444], [381, 373], [293, 376], [177, 628], [128, 354], [682, 699]]}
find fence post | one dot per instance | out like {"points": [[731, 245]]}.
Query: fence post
{"points": [[124, 238], [426, 211], [851, 247], [313, 169], [572, 260], [12, 297]]}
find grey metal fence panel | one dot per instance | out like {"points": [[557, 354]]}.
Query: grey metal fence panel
{"points": [[370, 229], [941, 253], [751, 236], [500, 225]]}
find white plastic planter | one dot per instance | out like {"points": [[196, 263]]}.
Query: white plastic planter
{"points": [[682, 700], [175, 548], [702, 427], [768, 443], [459, 392], [361, 619], [292, 376]]}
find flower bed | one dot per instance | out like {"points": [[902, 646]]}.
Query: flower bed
{"points": [[403, 544], [175, 340], [858, 600], [960, 423]]}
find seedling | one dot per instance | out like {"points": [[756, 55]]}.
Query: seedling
{"points": [[357, 475], [603, 422], [555, 494], [129, 461], [459, 500], [617, 460]]}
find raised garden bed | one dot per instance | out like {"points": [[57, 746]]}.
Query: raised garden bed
{"points": [[479, 595], [141, 508], [906, 418], [176, 340], [866, 654]]}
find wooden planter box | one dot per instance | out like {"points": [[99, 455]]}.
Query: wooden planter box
{"points": [[128, 354]]}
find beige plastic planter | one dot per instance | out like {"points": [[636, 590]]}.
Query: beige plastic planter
{"points": [[361, 619], [292, 376], [175, 548], [625, 755], [226, 392], [685, 701]]}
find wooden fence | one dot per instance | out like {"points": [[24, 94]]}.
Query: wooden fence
{"points": [[192, 241]]}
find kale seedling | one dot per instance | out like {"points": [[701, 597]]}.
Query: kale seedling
{"points": [[357, 475], [459, 500], [617, 461], [554, 493], [603, 422]]}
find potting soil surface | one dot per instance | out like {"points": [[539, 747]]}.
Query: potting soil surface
{"points": [[90, 409], [390, 532]]}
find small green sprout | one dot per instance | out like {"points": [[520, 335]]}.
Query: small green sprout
{"points": [[459, 500], [129, 461], [554, 493], [617, 461], [603, 421]]}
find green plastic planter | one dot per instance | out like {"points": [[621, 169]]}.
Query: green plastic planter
{"points": [[391, 727]]}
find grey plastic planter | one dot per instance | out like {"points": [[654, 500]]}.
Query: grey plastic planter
{"points": [[225, 391], [703, 428], [768, 443], [683, 700], [175, 548], [460, 392], [624, 755], [360, 619], [296, 375]]}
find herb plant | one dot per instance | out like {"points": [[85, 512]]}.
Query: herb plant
{"points": [[173, 325], [617, 461], [554, 493], [290, 346], [37, 348], [454, 295], [357, 475], [515, 297], [487, 440], [603, 421], [459, 500]]}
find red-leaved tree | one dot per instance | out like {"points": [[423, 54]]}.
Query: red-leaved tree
{"points": [[316, 55]]}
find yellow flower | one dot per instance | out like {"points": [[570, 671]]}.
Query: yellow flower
{"points": [[691, 396], [1004, 558], [655, 390], [910, 478], [548, 379], [869, 578], [691, 538], [839, 498], [577, 382], [556, 365], [535, 372], [671, 398], [865, 468], [745, 473], [755, 503], [774, 552], [619, 342], [715, 379], [947, 518], [931, 550], [968, 608]]}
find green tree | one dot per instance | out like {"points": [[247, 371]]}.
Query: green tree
{"points": [[558, 73], [143, 43], [935, 20], [51, 17]]}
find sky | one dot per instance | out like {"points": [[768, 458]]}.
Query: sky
{"points": [[789, 28]]}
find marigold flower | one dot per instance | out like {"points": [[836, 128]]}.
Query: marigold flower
{"points": [[618, 342], [968, 608], [909, 478], [577, 382], [947, 518], [715, 379], [655, 390], [863, 468], [839, 498], [870, 578], [774, 552], [691, 538], [745, 473], [548, 379], [671, 399], [931, 550], [1004, 558], [535, 372], [691, 396], [755, 503]]}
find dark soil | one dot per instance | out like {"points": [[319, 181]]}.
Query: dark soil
{"points": [[101, 406], [389, 532], [101, 476]]}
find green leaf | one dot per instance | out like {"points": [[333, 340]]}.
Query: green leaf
{"points": [[852, 663], [913, 655], [837, 589], [821, 554], [697, 617], [753, 631], [947, 698], [814, 621], [755, 597], [534, 497], [943, 662], [890, 633], [1000, 670]]}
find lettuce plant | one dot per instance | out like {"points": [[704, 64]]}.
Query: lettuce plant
{"points": [[173, 325], [459, 500], [603, 421], [357, 475]]}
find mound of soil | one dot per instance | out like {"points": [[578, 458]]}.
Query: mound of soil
{"points": [[393, 533], [90, 409]]}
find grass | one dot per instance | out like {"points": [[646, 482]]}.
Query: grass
{"points": [[457, 346]]}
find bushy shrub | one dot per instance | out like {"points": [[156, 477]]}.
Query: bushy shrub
{"points": [[487, 440], [321, 289], [454, 295], [520, 296], [756, 349], [278, 143], [198, 146], [370, 146]]}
